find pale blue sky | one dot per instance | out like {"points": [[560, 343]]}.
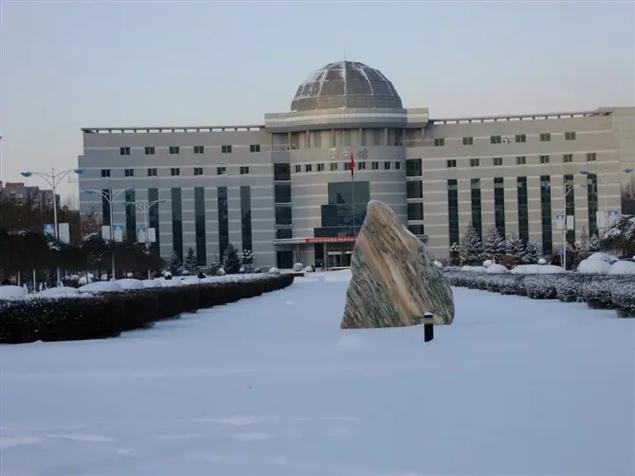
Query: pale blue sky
{"points": [[67, 65]]}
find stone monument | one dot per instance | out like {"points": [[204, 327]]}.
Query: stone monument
{"points": [[394, 279]]}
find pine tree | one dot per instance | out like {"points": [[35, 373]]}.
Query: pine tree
{"points": [[230, 260], [471, 248], [494, 245], [583, 244], [594, 244], [248, 258], [191, 263], [455, 253], [532, 253], [174, 264], [515, 247]]}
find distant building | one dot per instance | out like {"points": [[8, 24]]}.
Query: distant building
{"points": [[283, 189], [22, 195]]}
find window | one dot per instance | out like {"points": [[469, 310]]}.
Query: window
{"points": [[545, 137], [475, 188], [413, 167], [198, 170], [523, 215], [281, 172], [569, 193], [244, 170], [415, 211], [177, 223], [592, 201], [152, 172], [174, 149], [128, 172], [282, 193], [495, 139], [439, 142], [499, 205], [199, 225], [414, 189], [544, 159], [545, 206], [153, 218], [451, 163], [149, 150], [245, 214], [453, 212], [282, 233], [347, 166], [361, 165], [567, 158], [105, 172], [569, 135], [308, 167], [497, 161], [333, 166], [283, 215], [591, 157], [226, 149], [175, 171], [124, 150], [386, 165], [468, 140], [521, 160], [475, 162], [131, 216], [198, 149], [106, 195], [397, 165], [374, 165], [254, 148], [416, 229], [221, 170], [298, 168], [320, 167], [223, 221], [521, 138]]}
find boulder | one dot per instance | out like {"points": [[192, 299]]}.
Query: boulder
{"points": [[394, 280]]}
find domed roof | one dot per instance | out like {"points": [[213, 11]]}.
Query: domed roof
{"points": [[346, 84]]}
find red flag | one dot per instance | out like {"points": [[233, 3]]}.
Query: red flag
{"points": [[352, 165]]}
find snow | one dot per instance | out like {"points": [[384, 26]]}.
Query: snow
{"points": [[9, 291], [190, 280], [538, 269], [151, 283], [271, 385], [101, 287], [623, 267], [496, 269], [600, 256], [60, 291], [592, 266], [487, 263], [476, 269], [274, 270], [297, 267], [129, 283]]}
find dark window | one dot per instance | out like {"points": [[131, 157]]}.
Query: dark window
{"points": [[282, 233], [451, 163], [397, 165], [283, 215], [128, 172], [199, 149], [254, 148], [544, 159], [545, 205], [284, 259], [347, 166], [320, 167], [152, 172], [545, 137], [497, 161], [523, 215], [298, 168], [567, 158], [342, 215], [105, 172], [453, 211], [570, 205], [226, 149], [244, 170], [221, 170], [569, 135], [105, 205], [414, 189], [282, 193], [499, 205], [415, 211], [416, 229], [245, 217], [361, 165], [592, 199], [386, 165], [223, 224], [131, 216], [439, 142], [591, 157], [468, 140], [521, 160], [149, 150], [198, 170], [374, 165], [495, 139], [281, 172], [174, 171], [124, 150], [475, 189], [199, 225], [413, 167], [153, 218], [177, 223], [521, 138], [475, 162], [308, 168], [174, 149]]}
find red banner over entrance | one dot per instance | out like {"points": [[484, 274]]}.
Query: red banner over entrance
{"points": [[330, 239]]}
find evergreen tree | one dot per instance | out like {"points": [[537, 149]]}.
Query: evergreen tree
{"points": [[174, 264], [471, 248], [455, 253], [248, 258], [230, 260], [214, 264], [532, 253], [583, 244], [515, 247], [594, 244], [191, 263], [494, 245]]}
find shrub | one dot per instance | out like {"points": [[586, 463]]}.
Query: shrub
{"points": [[540, 287], [567, 289], [597, 294], [623, 298]]}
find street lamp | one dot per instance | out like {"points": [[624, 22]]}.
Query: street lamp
{"points": [[110, 196], [53, 180], [144, 206], [605, 181], [565, 194]]}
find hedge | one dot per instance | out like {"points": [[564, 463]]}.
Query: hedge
{"points": [[109, 314], [598, 291]]}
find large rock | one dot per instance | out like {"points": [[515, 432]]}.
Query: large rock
{"points": [[394, 279]]}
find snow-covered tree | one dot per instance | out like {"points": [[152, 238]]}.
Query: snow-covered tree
{"points": [[494, 245], [247, 258], [594, 244], [621, 235], [455, 253], [515, 247], [471, 248], [532, 252], [231, 263], [174, 264], [190, 263]]}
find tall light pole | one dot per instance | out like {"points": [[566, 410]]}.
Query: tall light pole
{"points": [[565, 194], [53, 180], [144, 206], [110, 197], [605, 181]]}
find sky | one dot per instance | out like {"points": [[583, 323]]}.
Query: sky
{"points": [[68, 65]]}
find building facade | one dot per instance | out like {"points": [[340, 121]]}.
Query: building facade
{"points": [[284, 189], [30, 196]]}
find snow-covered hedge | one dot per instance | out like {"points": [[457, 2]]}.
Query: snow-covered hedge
{"points": [[90, 316]]}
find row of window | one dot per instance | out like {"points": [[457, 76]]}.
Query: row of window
{"points": [[522, 160], [198, 149], [321, 167], [519, 138], [174, 171]]}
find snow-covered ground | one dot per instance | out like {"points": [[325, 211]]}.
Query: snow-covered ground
{"points": [[271, 385]]}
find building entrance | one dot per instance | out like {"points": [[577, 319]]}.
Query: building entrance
{"points": [[338, 259]]}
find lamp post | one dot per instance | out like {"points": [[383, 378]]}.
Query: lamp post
{"points": [[144, 206], [110, 198], [605, 181], [565, 194], [53, 180]]}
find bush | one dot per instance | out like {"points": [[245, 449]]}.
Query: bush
{"points": [[540, 287], [623, 298], [597, 294]]}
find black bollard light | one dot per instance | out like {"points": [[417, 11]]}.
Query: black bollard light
{"points": [[428, 328]]}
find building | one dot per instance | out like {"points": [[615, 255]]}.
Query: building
{"points": [[32, 196], [283, 189]]}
